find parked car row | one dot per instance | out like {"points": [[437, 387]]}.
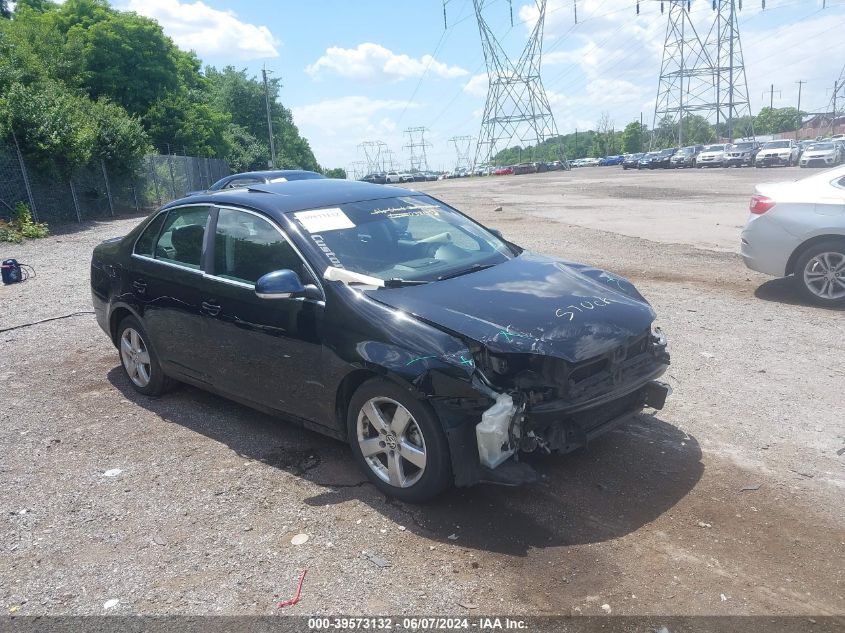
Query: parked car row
{"points": [[398, 177]]}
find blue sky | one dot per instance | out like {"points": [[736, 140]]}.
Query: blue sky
{"points": [[355, 71]]}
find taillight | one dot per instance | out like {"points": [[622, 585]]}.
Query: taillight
{"points": [[760, 204]]}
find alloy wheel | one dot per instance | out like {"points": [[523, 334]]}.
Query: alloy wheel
{"points": [[824, 275], [135, 357], [391, 442]]}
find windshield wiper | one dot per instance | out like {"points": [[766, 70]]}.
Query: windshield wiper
{"points": [[465, 271], [396, 282]]}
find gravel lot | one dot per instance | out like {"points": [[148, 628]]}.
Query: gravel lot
{"points": [[651, 519]]}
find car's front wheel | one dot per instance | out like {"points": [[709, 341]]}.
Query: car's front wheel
{"points": [[820, 273], [398, 441], [139, 360]]}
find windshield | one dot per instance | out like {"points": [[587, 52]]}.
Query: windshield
{"points": [[412, 238], [714, 148], [743, 147], [821, 146], [776, 145]]}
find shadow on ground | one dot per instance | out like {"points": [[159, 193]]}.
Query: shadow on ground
{"points": [[623, 481], [784, 291]]}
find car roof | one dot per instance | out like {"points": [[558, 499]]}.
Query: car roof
{"points": [[297, 195], [272, 173]]}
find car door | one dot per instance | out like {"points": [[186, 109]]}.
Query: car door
{"points": [[165, 280], [264, 350]]}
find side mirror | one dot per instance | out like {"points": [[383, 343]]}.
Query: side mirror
{"points": [[280, 284]]}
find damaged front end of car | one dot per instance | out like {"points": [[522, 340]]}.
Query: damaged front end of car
{"points": [[540, 402], [546, 355]]}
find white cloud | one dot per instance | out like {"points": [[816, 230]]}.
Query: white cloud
{"points": [[196, 26], [477, 85], [335, 126], [373, 62]]}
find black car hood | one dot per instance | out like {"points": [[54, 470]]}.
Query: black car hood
{"points": [[531, 303]]}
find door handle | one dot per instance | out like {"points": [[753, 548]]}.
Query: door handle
{"points": [[140, 286], [211, 309]]}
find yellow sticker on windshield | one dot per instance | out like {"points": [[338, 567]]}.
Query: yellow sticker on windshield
{"points": [[321, 220]]}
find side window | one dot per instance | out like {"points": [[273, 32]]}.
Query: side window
{"points": [[247, 247], [146, 243], [182, 235]]}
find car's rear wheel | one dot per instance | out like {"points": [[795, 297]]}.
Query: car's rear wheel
{"points": [[820, 273], [398, 442], [139, 360]]}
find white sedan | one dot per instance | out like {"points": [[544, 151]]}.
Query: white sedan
{"points": [[798, 228]]}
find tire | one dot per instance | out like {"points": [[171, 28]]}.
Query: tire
{"points": [[811, 268], [389, 470], [133, 346]]}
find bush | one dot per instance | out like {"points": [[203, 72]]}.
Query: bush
{"points": [[22, 226]]}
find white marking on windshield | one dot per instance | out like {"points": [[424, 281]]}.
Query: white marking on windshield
{"points": [[324, 220]]}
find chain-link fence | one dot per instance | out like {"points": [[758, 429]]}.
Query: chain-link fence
{"points": [[92, 192]]}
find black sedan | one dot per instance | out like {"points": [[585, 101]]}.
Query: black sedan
{"points": [[383, 317], [630, 161], [249, 178]]}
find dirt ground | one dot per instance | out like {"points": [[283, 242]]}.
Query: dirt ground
{"points": [[728, 501]]}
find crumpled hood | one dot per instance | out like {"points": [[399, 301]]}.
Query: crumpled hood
{"points": [[531, 303]]}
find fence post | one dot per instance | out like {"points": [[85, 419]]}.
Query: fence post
{"points": [[25, 180], [108, 188], [152, 167], [172, 179], [75, 201]]}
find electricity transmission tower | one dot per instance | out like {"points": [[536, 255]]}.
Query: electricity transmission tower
{"points": [[387, 162], [517, 109], [463, 149], [356, 169], [373, 155], [700, 76], [731, 85], [416, 147]]}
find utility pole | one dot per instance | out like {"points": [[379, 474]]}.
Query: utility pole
{"points": [[642, 131], [772, 96], [269, 120], [800, 118], [833, 119]]}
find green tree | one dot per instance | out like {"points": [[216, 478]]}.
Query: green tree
{"points": [[121, 139], [35, 5], [242, 96], [632, 138], [4, 10], [246, 153], [127, 58], [337, 172], [194, 128], [49, 123], [775, 120]]}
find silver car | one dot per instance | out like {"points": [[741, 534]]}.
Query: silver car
{"points": [[828, 154], [798, 229]]}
